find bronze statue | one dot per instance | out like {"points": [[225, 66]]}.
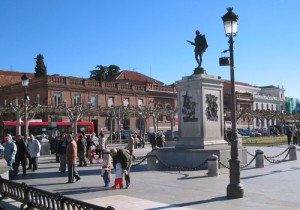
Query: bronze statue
{"points": [[200, 46]]}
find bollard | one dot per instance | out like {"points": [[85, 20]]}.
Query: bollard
{"points": [[259, 161], [212, 165], [151, 162], [292, 152]]}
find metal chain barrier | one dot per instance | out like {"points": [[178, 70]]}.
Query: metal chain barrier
{"points": [[139, 159], [250, 154], [279, 154], [246, 165], [224, 165], [272, 160]]}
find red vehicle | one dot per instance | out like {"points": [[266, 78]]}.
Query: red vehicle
{"points": [[37, 128]]}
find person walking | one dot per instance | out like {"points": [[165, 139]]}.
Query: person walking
{"points": [[102, 143], [130, 145], [122, 156], [34, 149], [61, 150], [71, 158], [10, 150], [289, 135], [81, 150], [89, 148], [20, 155]]}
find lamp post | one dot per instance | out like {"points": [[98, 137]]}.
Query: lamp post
{"points": [[235, 188], [25, 83]]}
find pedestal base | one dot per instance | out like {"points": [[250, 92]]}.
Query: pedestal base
{"points": [[235, 191], [199, 70], [188, 159]]}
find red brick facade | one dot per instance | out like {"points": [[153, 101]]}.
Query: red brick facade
{"points": [[130, 87]]}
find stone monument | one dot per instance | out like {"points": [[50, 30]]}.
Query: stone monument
{"points": [[201, 121]]}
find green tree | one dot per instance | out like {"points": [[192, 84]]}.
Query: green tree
{"points": [[112, 69], [102, 72], [40, 67]]}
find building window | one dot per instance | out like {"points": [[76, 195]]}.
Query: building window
{"points": [[110, 101], [126, 124], [160, 116], [126, 102], [57, 99], [169, 109], [38, 99], [94, 101], [77, 99], [140, 102]]}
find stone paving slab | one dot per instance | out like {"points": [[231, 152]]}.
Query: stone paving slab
{"points": [[275, 186]]}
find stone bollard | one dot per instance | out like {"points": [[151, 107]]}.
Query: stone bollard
{"points": [[151, 160], [292, 153], [259, 161], [213, 166]]}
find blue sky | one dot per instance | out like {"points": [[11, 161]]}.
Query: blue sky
{"points": [[149, 36]]}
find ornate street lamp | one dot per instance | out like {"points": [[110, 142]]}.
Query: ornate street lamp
{"points": [[235, 188], [25, 83]]}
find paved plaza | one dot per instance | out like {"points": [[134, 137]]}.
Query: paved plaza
{"points": [[276, 186]]}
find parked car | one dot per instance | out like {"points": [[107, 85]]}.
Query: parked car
{"points": [[171, 136], [243, 131], [126, 133], [263, 131]]}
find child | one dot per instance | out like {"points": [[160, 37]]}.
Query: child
{"points": [[105, 172], [118, 176]]}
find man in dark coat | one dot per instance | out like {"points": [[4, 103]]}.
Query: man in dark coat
{"points": [[20, 155], [122, 156]]}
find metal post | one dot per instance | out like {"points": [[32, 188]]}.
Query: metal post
{"points": [[235, 188], [26, 113]]}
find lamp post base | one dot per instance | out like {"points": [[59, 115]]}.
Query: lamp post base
{"points": [[235, 191]]}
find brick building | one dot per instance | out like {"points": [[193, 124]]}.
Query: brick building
{"points": [[126, 88]]}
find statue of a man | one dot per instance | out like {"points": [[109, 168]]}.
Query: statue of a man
{"points": [[200, 46]]}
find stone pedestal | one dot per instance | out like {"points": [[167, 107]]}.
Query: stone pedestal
{"points": [[200, 111], [201, 125]]}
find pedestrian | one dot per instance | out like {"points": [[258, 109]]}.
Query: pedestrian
{"points": [[130, 145], [298, 136], [56, 141], [136, 141], [289, 135], [160, 139], [89, 148], [34, 149], [294, 135], [81, 150], [122, 156], [10, 150], [20, 155], [102, 143], [61, 150], [142, 140], [106, 171], [71, 158], [118, 176]]}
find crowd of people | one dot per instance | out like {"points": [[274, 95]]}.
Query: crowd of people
{"points": [[24, 152], [72, 153]]}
